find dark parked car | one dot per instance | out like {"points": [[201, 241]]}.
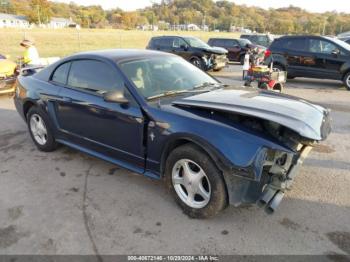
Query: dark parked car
{"points": [[157, 115], [192, 49], [311, 56], [259, 39], [345, 39], [236, 48]]}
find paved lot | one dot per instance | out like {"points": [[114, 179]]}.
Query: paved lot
{"points": [[66, 202]]}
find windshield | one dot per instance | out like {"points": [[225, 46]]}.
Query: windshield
{"points": [[343, 44], [156, 76], [196, 42], [244, 42]]}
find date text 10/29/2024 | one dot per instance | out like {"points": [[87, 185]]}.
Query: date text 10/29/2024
{"points": [[173, 258]]}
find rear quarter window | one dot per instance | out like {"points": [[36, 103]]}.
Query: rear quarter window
{"points": [[166, 42], [296, 44], [61, 74]]}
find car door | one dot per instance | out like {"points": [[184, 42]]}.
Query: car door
{"points": [[295, 52], [233, 48], [326, 62], [85, 119], [180, 48], [166, 44]]}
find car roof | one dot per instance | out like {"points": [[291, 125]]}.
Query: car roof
{"points": [[112, 55], [118, 55], [164, 36], [223, 38], [253, 34], [305, 36]]}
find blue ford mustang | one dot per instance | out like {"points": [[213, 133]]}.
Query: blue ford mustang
{"points": [[156, 114]]}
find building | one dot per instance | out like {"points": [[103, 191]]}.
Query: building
{"points": [[147, 27], [13, 21], [240, 29], [59, 22], [185, 27], [193, 27]]}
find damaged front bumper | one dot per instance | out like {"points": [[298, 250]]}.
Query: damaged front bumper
{"points": [[274, 191], [215, 62], [275, 180]]}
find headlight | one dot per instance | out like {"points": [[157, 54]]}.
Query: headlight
{"points": [[282, 159], [279, 161]]}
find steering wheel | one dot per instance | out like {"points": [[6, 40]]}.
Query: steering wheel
{"points": [[177, 81]]}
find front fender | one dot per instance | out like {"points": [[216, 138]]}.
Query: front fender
{"points": [[251, 161], [345, 68], [234, 150]]}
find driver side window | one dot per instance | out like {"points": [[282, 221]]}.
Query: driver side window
{"points": [[178, 42], [321, 46], [94, 76]]}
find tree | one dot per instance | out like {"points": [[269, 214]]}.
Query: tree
{"points": [[40, 11], [218, 14]]}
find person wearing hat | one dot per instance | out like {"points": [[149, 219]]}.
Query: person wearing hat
{"points": [[31, 55]]}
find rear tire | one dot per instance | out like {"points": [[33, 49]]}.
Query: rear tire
{"points": [[278, 67], [195, 182], [346, 80], [40, 130]]}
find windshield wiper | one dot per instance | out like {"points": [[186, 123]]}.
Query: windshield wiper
{"points": [[206, 84], [175, 92]]}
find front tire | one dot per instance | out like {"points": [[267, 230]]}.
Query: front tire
{"points": [[40, 130], [198, 62], [346, 81], [195, 182]]}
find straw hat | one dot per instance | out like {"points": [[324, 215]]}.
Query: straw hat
{"points": [[27, 43]]}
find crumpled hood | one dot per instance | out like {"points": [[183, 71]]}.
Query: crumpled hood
{"points": [[308, 120], [216, 50]]}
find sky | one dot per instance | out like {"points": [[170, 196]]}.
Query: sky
{"points": [[310, 5]]}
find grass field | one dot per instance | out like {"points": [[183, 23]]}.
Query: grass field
{"points": [[63, 42]]}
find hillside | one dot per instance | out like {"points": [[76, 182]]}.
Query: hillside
{"points": [[217, 15]]}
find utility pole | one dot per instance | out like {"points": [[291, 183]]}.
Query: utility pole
{"points": [[203, 21], [324, 28], [154, 3], [38, 11]]}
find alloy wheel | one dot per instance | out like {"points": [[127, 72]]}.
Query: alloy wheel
{"points": [[191, 183], [347, 81], [196, 62], [38, 129]]}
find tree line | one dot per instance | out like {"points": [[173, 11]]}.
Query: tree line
{"points": [[219, 15]]}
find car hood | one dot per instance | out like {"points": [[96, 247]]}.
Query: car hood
{"points": [[215, 50], [308, 120]]}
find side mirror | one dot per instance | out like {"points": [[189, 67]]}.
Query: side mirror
{"points": [[184, 47], [115, 97], [336, 52]]}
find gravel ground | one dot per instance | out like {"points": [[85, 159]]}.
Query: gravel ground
{"points": [[66, 202]]}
